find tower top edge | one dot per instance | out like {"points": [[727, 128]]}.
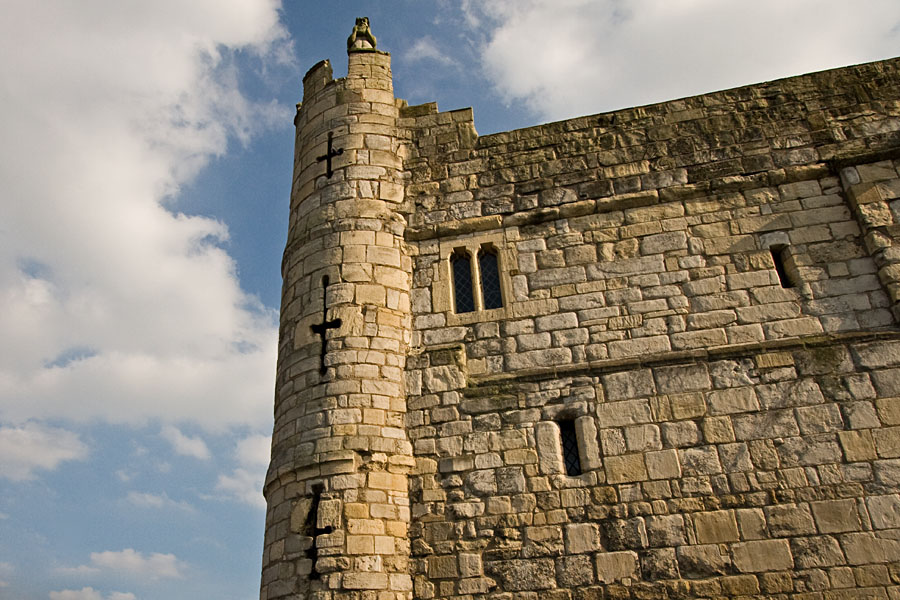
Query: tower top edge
{"points": [[316, 68]]}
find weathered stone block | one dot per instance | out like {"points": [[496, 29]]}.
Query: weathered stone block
{"points": [[628, 385], [663, 464], [735, 458], [582, 538], [764, 425], [887, 442], [762, 555], [836, 516], [888, 411], [575, 571], [639, 346], [365, 581], [865, 548], [752, 523], [819, 419], [877, 355], [734, 400], [886, 382], [663, 242], [625, 469], [809, 451], [682, 379], [700, 561], [717, 430], [703, 460], [622, 534], [687, 406], [706, 338], [659, 563], [627, 412], [523, 575], [884, 511], [716, 527], [641, 438], [615, 566], [665, 530], [680, 434], [442, 567]]}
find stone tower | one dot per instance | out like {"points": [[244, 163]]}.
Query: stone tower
{"points": [[338, 506]]}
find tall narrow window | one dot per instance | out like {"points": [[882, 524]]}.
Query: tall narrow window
{"points": [[463, 292], [490, 278], [571, 458], [779, 257]]}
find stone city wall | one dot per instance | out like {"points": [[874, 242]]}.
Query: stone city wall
{"points": [[707, 290]]}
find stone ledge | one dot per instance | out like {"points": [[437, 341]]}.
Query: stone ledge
{"points": [[683, 356], [837, 163]]}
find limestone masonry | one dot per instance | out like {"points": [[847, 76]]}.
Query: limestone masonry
{"points": [[652, 353]]}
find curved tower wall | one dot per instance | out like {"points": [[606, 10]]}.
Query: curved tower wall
{"points": [[338, 506]]}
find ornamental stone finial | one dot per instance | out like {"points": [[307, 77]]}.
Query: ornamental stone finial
{"points": [[361, 39]]}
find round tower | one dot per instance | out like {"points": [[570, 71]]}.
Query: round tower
{"points": [[338, 506]]}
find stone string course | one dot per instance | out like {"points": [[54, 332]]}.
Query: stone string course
{"points": [[738, 438]]}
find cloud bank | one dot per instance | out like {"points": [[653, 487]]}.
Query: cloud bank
{"points": [[566, 58], [119, 305], [131, 563]]}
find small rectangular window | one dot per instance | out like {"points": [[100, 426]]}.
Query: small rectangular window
{"points": [[571, 458], [779, 257]]}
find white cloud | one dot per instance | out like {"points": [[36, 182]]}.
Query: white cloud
{"points": [[425, 48], [566, 58], [130, 562], [254, 451], [244, 486], [117, 307], [89, 593], [29, 447], [184, 445], [246, 481], [155, 501]]}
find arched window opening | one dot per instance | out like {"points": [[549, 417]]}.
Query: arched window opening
{"points": [[463, 292], [571, 457], [780, 257], [490, 277]]}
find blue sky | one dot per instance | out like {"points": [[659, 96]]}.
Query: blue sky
{"points": [[146, 168]]}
